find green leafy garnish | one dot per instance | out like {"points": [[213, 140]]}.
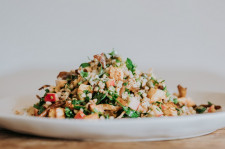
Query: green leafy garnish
{"points": [[87, 99], [100, 97], [130, 65], [125, 83], [200, 109], [39, 105], [77, 102], [79, 107], [107, 116], [175, 101], [154, 81], [113, 53], [83, 65], [86, 92], [165, 88], [209, 103], [101, 71], [162, 81], [46, 91], [84, 74], [79, 83], [167, 94], [118, 61], [178, 111], [69, 113], [127, 90], [40, 110], [131, 113]]}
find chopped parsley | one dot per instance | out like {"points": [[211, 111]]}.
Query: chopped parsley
{"points": [[175, 101], [165, 88], [112, 54], [69, 113], [127, 90], [162, 81], [39, 105], [86, 92], [84, 74], [107, 116], [83, 65], [79, 83], [209, 103], [100, 97], [167, 94], [131, 113], [40, 108], [178, 111], [154, 81], [125, 83], [159, 104], [77, 102], [200, 109], [130, 65], [46, 91], [118, 61], [101, 71]]}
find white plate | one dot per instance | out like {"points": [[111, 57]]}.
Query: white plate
{"points": [[166, 128]]}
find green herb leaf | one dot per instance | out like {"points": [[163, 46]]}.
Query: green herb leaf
{"points": [[118, 61], [40, 110], [100, 97], [83, 65], [77, 102], [154, 81], [84, 74], [86, 91], [131, 113], [125, 83], [107, 116], [69, 113], [165, 88], [209, 103], [113, 53], [200, 109], [130, 65], [178, 111], [101, 72], [175, 101], [78, 107], [79, 83], [167, 94]]}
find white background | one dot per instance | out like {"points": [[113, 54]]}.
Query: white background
{"points": [[187, 35]]}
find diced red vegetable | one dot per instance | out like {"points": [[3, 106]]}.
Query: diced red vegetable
{"points": [[211, 109], [163, 107], [51, 97], [80, 115]]}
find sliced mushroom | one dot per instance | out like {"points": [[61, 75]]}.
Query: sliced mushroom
{"points": [[44, 86], [182, 91], [101, 58], [63, 75], [38, 97]]}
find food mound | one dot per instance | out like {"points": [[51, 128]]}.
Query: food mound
{"points": [[107, 88]]}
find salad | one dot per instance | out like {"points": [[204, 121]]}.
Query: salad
{"points": [[109, 87]]}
